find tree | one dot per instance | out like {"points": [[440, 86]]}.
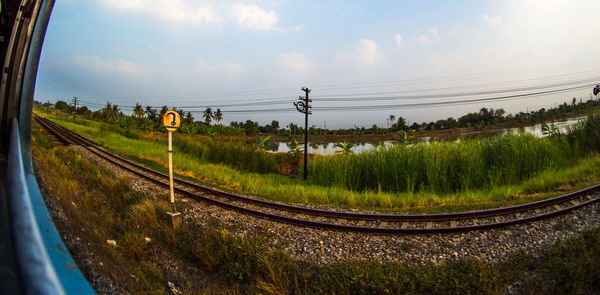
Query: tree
{"points": [[251, 128], [151, 113], [188, 118], [375, 129], [208, 115], [63, 106], [401, 124], [218, 116], [451, 123], [163, 110], [138, 111], [597, 90], [392, 119], [415, 126], [179, 111], [83, 111], [109, 111]]}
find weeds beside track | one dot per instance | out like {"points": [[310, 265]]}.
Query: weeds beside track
{"points": [[399, 228]]}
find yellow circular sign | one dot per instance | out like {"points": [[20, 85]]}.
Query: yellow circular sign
{"points": [[171, 120]]}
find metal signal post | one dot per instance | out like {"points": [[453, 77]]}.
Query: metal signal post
{"points": [[171, 121], [303, 106]]}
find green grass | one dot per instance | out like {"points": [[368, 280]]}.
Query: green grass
{"points": [[447, 167], [539, 177], [97, 205]]}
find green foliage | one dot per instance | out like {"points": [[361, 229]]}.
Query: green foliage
{"points": [[237, 155], [95, 199], [346, 148], [445, 167], [404, 138], [550, 130], [263, 142]]}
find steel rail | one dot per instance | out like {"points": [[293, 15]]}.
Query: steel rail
{"points": [[343, 227], [345, 214]]}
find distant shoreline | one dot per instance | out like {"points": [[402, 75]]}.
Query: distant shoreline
{"points": [[444, 133]]}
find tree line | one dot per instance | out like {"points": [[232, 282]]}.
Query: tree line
{"points": [[150, 118]]}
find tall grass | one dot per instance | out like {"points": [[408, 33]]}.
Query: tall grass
{"points": [[237, 155], [446, 167], [150, 150], [96, 205]]}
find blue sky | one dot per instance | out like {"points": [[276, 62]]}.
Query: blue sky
{"points": [[227, 53]]}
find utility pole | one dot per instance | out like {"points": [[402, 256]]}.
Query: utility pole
{"points": [[302, 106], [75, 99]]}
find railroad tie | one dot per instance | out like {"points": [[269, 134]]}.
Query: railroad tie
{"points": [[452, 223], [429, 224], [404, 225]]}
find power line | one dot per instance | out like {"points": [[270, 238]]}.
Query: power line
{"points": [[320, 88], [415, 105], [457, 94]]}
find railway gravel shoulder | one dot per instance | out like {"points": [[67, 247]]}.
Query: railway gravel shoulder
{"points": [[431, 223], [325, 246]]}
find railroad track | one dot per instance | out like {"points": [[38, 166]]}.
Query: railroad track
{"points": [[343, 220]]}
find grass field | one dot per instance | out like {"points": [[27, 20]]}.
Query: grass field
{"points": [[97, 205], [447, 166], [440, 177]]}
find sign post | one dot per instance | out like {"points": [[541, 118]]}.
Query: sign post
{"points": [[171, 121]]}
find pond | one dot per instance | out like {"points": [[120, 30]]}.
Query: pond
{"points": [[331, 148]]}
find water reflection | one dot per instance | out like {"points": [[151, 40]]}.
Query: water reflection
{"points": [[358, 147]]}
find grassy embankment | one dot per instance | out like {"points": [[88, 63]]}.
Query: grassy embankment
{"points": [[447, 167], [440, 177], [96, 206]]}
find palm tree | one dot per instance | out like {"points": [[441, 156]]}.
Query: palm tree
{"points": [[218, 116], [188, 118], [208, 115], [138, 111], [163, 110], [597, 90], [151, 113]]}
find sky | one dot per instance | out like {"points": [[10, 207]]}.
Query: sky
{"points": [[362, 60]]}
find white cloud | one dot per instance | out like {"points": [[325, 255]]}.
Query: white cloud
{"points": [[365, 53], [254, 17], [98, 64], [398, 40], [173, 11], [492, 20], [295, 62], [428, 38]]}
